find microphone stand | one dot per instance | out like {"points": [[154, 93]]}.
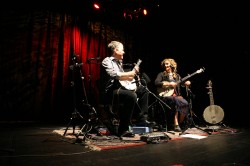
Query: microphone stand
{"points": [[190, 120], [89, 117], [89, 62], [92, 118], [160, 102]]}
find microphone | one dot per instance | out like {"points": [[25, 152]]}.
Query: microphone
{"points": [[90, 59], [75, 65], [136, 81], [75, 56], [79, 64], [145, 77], [190, 93]]}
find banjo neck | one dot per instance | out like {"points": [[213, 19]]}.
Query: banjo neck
{"points": [[211, 96]]}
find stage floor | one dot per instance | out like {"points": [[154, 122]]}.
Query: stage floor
{"points": [[34, 143]]}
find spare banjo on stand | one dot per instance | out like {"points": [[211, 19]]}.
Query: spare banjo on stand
{"points": [[213, 114]]}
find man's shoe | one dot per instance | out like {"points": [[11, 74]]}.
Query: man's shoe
{"points": [[126, 134], [145, 123]]}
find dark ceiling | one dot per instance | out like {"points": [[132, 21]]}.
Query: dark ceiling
{"points": [[162, 11]]}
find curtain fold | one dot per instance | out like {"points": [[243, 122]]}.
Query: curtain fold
{"points": [[36, 78]]}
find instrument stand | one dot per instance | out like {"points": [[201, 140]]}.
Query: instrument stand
{"points": [[75, 114], [190, 120], [213, 114]]}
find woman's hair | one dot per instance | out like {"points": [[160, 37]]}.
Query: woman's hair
{"points": [[172, 62], [113, 45]]}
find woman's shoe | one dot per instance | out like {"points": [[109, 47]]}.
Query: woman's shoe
{"points": [[177, 128]]}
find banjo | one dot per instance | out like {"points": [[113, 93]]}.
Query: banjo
{"points": [[213, 114], [130, 85], [169, 91]]}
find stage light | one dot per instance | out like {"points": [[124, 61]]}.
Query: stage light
{"points": [[145, 12], [96, 6]]}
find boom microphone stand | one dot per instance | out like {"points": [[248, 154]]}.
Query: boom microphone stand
{"points": [[92, 119], [190, 121], [89, 117], [158, 101]]}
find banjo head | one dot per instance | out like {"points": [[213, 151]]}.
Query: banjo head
{"points": [[213, 114]]}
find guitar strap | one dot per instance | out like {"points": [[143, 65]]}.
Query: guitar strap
{"points": [[119, 64], [177, 88]]}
